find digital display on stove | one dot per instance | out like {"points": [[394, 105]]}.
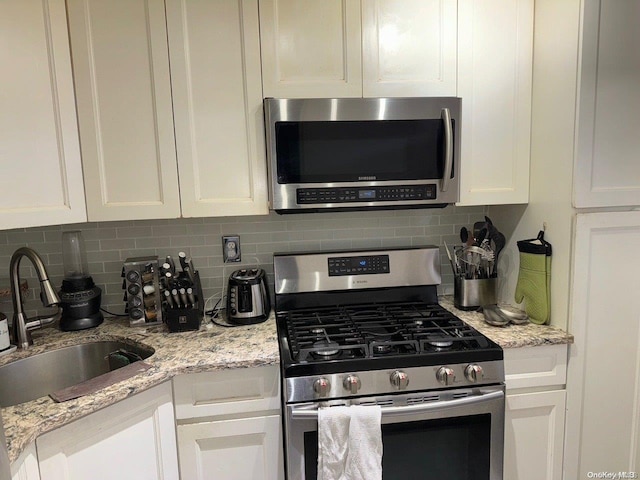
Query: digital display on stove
{"points": [[359, 265]]}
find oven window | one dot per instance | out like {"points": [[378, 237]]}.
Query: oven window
{"points": [[351, 151], [445, 449]]}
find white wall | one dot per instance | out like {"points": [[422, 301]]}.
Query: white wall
{"points": [[555, 64]]}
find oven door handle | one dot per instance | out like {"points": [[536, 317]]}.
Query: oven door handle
{"points": [[448, 149], [302, 413]]}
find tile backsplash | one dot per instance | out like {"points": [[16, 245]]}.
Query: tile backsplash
{"points": [[108, 244]]}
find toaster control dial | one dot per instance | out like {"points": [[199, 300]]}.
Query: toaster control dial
{"points": [[399, 379], [352, 383], [473, 372], [321, 386], [446, 375]]}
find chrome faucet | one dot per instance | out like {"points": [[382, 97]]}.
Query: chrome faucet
{"points": [[22, 326]]}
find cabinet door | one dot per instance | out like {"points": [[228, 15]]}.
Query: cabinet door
{"points": [[235, 391], [495, 71], [232, 449], [132, 439], [121, 69], [603, 424], [217, 88], [41, 173], [409, 48], [607, 170], [534, 428], [26, 466], [311, 49]]}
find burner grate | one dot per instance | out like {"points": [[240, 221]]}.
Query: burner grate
{"points": [[375, 330]]}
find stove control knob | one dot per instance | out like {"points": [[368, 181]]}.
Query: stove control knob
{"points": [[446, 375], [352, 383], [399, 379], [321, 386], [473, 372]]}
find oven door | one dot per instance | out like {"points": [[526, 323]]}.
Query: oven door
{"points": [[453, 434]]}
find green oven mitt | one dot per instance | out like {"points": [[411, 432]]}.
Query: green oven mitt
{"points": [[534, 278]]}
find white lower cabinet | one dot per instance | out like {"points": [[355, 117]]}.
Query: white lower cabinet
{"points": [[533, 435], [535, 412], [603, 401], [133, 439], [26, 466], [231, 449], [229, 424]]}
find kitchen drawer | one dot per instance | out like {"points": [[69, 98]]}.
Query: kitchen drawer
{"points": [[227, 392], [535, 366]]}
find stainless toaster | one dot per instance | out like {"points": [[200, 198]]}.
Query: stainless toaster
{"points": [[248, 299]]}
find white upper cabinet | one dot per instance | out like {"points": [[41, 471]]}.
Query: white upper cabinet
{"points": [[355, 48], [495, 64], [170, 107], [40, 168], [217, 97], [121, 68], [311, 49], [408, 48], [607, 166]]}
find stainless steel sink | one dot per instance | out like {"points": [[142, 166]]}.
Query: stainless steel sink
{"points": [[41, 374]]}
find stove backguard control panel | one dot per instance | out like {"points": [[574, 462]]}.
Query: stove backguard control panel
{"points": [[358, 265]]}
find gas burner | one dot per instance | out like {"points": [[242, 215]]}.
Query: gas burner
{"points": [[382, 349], [325, 349], [442, 344]]}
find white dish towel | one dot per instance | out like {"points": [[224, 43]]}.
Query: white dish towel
{"points": [[350, 443]]}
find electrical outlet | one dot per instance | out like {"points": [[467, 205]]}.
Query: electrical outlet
{"points": [[231, 248]]}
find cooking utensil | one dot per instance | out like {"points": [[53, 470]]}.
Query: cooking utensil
{"points": [[493, 317], [498, 316], [453, 266], [482, 234], [464, 235], [477, 231]]}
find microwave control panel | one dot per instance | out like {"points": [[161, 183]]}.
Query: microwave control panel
{"points": [[366, 194]]}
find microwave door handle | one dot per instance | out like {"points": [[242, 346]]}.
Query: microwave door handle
{"points": [[448, 149], [310, 414]]}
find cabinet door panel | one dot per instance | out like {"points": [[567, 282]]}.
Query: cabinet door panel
{"points": [[131, 439], [495, 55], [41, 179], [310, 48], [227, 392], [409, 48], [217, 87], [534, 428], [607, 171], [26, 466], [232, 449], [603, 427], [541, 366], [121, 68]]}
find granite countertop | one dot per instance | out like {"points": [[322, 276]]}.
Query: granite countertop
{"points": [[209, 349], [511, 336]]}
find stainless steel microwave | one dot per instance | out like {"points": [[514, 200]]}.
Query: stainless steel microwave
{"points": [[362, 153]]}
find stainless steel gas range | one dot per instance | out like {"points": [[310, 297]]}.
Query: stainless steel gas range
{"points": [[365, 328]]}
